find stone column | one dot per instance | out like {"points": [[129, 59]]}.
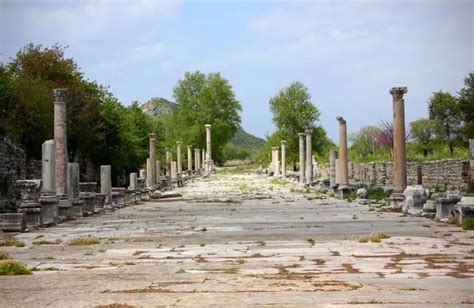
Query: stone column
{"points": [[302, 158], [283, 158], [106, 183], [60, 138], [276, 162], [133, 181], [48, 172], [149, 173], [152, 172], [309, 154], [196, 159], [202, 163], [399, 150], [471, 163], [190, 158], [174, 170], [158, 171], [337, 169], [208, 148], [343, 170], [142, 173], [178, 156], [169, 157], [73, 189], [332, 168]]}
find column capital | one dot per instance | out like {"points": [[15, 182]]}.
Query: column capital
{"points": [[308, 131], [152, 135], [190, 146], [301, 134], [60, 94], [179, 142], [275, 148], [341, 120], [208, 125], [283, 142], [398, 92]]}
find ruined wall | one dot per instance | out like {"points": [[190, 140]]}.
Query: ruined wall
{"points": [[446, 173]]}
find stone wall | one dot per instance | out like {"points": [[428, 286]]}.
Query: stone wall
{"points": [[446, 173]]}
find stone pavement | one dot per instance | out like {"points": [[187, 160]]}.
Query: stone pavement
{"points": [[242, 240]]}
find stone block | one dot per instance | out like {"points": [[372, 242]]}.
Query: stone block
{"points": [[465, 208], [12, 222]]}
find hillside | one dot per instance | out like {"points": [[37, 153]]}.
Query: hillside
{"points": [[246, 141], [158, 106]]}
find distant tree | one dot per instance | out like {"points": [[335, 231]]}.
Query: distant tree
{"points": [[203, 99], [423, 133], [365, 141], [231, 151], [466, 105], [385, 138], [293, 112], [444, 108]]}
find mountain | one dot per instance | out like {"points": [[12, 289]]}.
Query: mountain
{"points": [[158, 106], [246, 141]]}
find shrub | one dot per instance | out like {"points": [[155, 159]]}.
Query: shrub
{"points": [[376, 194], [468, 223], [85, 240], [12, 267], [12, 242]]}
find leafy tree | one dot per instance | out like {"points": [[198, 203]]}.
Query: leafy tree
{"points": [[203, 99], [231, 151], [365, 141], [466, 105], [444, 108], [423, 132], [293, 112]]}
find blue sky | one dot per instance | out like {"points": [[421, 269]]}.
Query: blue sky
{"points": [[348, 53]]}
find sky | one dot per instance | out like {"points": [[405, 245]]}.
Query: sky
{"points": [[348, 53]]}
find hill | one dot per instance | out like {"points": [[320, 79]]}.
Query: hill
{"points": [[246, 141], [158, 106]]}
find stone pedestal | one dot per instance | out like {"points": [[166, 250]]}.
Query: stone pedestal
{"points": [[302, 158], [87, 196], [106, 185], [100, 203], [73, 189], [30, 191], [344, 190], [445, 207], [415, 197], [49, 209], [395, 201], [12, 222], [118, 196], [64, 208], [465, 208]]}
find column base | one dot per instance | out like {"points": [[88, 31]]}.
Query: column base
{"points": [[76, 208], [32, 214], [12, 222], [395, 201], [64, 209], [49, 209]]}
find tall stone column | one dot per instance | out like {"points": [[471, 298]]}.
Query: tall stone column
{"points": [[202, 163], [149, 173], [332, 168], [399, 148], [178, 156], [344, 181], [152, 171], [60, 139], [196, 159], [106, 183], [208, 148], [158, 171], [302, 158], [309, 154], [283, 158], [48, 172], [276, 162], [169, 157], [190, 158], [337, 169]]}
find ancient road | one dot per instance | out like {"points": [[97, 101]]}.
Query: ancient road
{"points": [[238, 240]]}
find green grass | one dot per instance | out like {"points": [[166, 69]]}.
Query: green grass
{"points": [[351, 197], [47, 242], [84, 240], [468, 223], [12, 267], [374, 237], [12, 242], [376, 194]]}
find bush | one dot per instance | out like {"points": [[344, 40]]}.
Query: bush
{"points": [[468, 223], [376, 194], [12, 267], [4, 255], [12, 242]]}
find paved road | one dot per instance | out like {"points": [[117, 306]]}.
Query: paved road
{"points": [[239, 240]]}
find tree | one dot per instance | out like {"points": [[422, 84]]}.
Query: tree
{"points": [[444, 108], [293, 112], [423, 132], [203, 99], [466, 105], [365, 141]]}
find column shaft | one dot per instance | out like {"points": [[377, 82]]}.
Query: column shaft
{"points": [[302, 158]]}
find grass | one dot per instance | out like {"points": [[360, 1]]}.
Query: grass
{"points": [[12, 267], [351, 197], [181, 271], [468, 223], [84, 240], [374, 237], [4, 255], [278, 182], [376, 194], [12, 242], [47, 242], [130, 263], [311, 241]]}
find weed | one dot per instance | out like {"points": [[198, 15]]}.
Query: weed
{"points": [[468, 223], [4, 255], [204, 229], [12, 242], [374, 237], [311, 241], [181, 271], [47, 242], [84, 240], [130, 263], [377, 194], [12, 267]]}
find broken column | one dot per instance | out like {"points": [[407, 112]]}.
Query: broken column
{"points": [[190, 158], [60, 140], [169, 157], [73, 189], [283, 158], [196, 159], [399, 148], [332, 168], [309, 154], [133, 188], [30, 191], [302, 158], [152, 172], [174, 171], [209, 162], [178, 156], [106, 185], [276, 162], [87, 195], [202, 163], [49, 200]]}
